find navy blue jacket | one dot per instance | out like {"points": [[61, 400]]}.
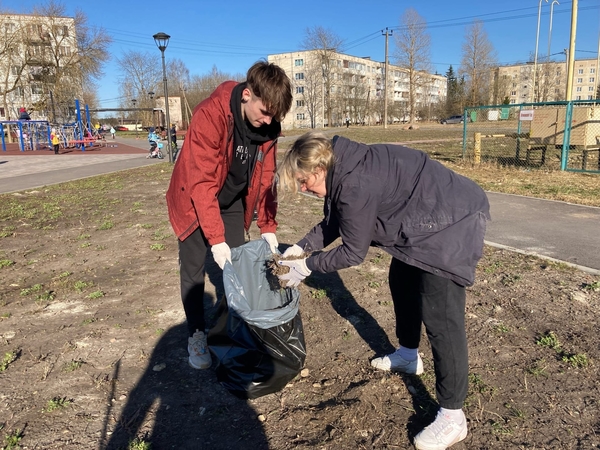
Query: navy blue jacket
{"points": [[401, 201]]}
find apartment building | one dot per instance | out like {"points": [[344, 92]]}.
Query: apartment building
{"points": [[37, 65], [329, 88], [515, 82]]}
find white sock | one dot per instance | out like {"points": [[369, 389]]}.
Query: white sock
{"points": [[408, 354], [456, 415]]}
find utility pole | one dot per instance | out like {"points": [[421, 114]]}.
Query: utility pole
{"points": [[571, 54], [385, 90]]}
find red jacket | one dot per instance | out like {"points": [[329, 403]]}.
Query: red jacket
{"points": [[201, 169]]}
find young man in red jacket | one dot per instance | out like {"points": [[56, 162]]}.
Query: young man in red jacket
{"points": [[223, 174]]}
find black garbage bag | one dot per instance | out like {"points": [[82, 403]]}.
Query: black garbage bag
{"points": [[258, 340]]}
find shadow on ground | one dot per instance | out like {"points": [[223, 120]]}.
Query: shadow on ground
{"points": [[181, 408]]}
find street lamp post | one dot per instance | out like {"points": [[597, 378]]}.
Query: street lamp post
{"points": [[134, 101], [554, 2], [537, 40], [162, 40], [151, 94]]}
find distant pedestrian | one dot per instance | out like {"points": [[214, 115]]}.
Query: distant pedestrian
{"points": [[112, 132], [347, 122], [23, 114], [55, 141]]}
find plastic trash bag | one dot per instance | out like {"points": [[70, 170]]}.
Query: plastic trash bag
{"points": [[258, 340]]}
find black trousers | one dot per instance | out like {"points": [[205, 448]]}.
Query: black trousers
{"points": [[438, 303], [192, 258]]}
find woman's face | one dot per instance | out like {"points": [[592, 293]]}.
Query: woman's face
{"points": [[313, 182]]}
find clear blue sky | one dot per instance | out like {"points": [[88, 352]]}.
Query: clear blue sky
{"points": [[233, 34]]}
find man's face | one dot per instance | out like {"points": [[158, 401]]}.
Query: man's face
{"points": [[254, 111]]}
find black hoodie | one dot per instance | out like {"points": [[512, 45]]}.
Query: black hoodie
{"points": [[246, 140]]}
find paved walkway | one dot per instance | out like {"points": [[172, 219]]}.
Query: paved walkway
{"points": [[557, 231]]}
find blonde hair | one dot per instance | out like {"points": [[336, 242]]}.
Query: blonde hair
{"points": [[310, 152]]}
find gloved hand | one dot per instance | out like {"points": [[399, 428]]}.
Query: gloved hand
{"points": [[272, 241], [221, 253], [294, 250], [298, 272]]}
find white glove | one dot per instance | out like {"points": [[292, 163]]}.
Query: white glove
{"points": [[221, 253], [298, 272], [272, 241], [294, 250]]}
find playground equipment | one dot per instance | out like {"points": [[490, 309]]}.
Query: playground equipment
{"points": [[35, 134], [30, 134]]}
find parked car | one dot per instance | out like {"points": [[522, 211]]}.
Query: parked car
{"points": [[452, 119], [121, 128]]}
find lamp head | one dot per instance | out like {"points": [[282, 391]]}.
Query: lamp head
{"points": [[162, 40], [151, 94]]}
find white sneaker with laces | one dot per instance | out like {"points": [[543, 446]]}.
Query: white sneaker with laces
{"points": [[198, 350], [442, 433], [397, 363]]}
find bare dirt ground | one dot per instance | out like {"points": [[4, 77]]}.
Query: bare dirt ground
{"points": [[93, 344]]}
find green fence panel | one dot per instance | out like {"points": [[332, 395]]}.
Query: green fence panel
{"points": [[552, 135]]}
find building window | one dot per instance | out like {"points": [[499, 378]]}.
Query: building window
{"points": [[63, 50], [513, 93], [34, 29], [37, 89], [299, 76], [299, 103], [578, 89], [298, 62], [590, 88], [19, 91], [300, 116], [36, 50], [592, 79], [589, 97], [578, 97], [580, 80], [299, 89], [9, 27], [580, 71], [592, 70], [2, 113], [14, 70], [60, 30]]}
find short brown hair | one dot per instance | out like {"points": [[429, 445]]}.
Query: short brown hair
{"points": [[270, 83]]}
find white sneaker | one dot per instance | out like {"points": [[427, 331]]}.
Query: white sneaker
{"points": [[198, 350], [397, 363], [441, 434]]}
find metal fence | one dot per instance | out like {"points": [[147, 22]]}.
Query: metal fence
{"points": [[556, 135]]}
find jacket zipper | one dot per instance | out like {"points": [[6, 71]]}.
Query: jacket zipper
{"points": [[259, 157], [229, 140]]}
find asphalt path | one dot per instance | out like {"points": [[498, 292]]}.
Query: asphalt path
{"points": [[557, 231]]}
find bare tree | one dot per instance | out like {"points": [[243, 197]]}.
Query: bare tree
{"points": [[74, 68], [140, 73], [13, 65], [178, 76], [478, 59], [201, 86], [51, 59], [412, 52], [326, 44], [312, 90]]}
